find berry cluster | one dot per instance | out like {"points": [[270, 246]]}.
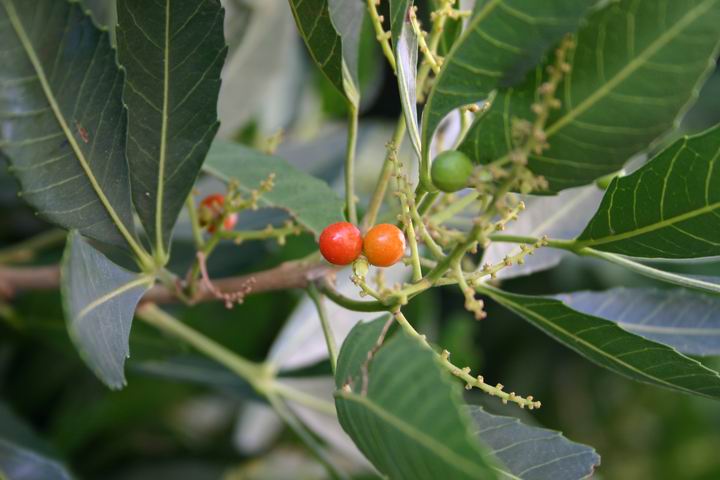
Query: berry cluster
{"points": [[342, 243]]}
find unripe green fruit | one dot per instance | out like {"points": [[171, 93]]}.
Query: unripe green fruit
{"points": [[451, 171]]}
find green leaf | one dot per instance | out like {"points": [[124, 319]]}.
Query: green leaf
{"points": [[99, 299], [669, 208], [636, 66], [503, 39], [309, 200], [347, 17], [62, 122], [700, 283], [687, 321], [533, 453], [327, 28], [173, 53], [405, 47], [409, 423], [611, 347], [24, 456]]}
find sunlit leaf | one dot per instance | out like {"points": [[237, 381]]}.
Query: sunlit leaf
{"points": [[611, 347], [309, 200], [99, 299], [669, 208], [173, 53], [636, 66], [687, 321], [503, 39], [409, 422], [62, 122]]}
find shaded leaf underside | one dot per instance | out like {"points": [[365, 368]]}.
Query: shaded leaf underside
{"points": [[99, 298]]}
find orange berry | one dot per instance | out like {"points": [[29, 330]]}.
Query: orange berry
{"points": [[384, 245], [211, 208]]}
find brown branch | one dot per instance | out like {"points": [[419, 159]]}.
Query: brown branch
{"points": [[288, 275]]}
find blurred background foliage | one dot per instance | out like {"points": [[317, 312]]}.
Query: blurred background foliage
{"points": [[180, 416]]}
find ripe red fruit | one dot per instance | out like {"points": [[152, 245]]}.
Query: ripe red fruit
{"points": [[341, 243], [211, 208], [384, 245]]}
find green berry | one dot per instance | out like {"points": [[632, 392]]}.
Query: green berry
{"points": [[451, 171]]}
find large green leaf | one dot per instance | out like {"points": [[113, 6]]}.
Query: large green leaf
{"points": [[533, 453], [611, 347], [669, 208], [409, 423], [99, 299], [687, 321], [62, 122], [330, 29], [503, 39], [173, 52], [636, 66], [24, 456], [309, 200]]}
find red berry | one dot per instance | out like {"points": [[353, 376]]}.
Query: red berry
{"points": [[384, 245], [211, 208], [341, 243]]}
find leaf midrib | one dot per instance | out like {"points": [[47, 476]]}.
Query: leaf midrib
{"points": [[138, 282], [50, 96], [427, 441], [633, 65], [159, 241], [592, 242], [504, 300]]}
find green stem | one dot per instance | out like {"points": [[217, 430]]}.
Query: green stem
{"points": [[26, 250], [317, 299], [195, 222], [568, 245], [381, 186], [464, 373], [251, 372], [259, 376], [380, 34], [349, 303], [292, 421], [302, 398], [265, 234], [630, 264], [350, 163], [426, 202]]}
